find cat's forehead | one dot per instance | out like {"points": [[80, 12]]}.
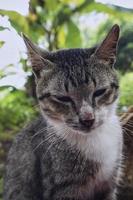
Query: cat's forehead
{"points": [[73, 67], [77, 61], [71, 56]]}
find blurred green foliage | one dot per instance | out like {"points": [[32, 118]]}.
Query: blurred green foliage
{"points": [[15, 109], [126, 90]]}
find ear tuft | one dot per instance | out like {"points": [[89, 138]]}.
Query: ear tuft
{"points": [[108, 48], [29, 44]]}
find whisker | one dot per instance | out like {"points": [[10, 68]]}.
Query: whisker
{"points": [[50, 146], [125, 132], [130, 122], [52, 134], [47, 128], [130, 125], [127, 129], [38, 146], [60, 139], [40, 131]]}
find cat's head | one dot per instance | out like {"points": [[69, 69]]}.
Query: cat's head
{"points": [[77, 88]]}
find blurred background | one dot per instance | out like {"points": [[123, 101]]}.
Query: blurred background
{"points": [[55, 24]]}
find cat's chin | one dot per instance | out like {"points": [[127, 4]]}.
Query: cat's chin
{"points": [[84, 130]]}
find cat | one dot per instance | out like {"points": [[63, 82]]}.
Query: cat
{"points": [[73, 150]]}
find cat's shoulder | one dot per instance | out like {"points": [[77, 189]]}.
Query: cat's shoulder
{"points": [[31, 130], [23, 144]]}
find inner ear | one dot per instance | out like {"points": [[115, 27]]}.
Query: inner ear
{"points": [[37, 57]]}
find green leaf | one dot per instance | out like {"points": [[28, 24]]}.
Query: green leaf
{"points": [[18, 21], [1, 43], [76, 2], [51, 5], [3, 28], [111, 10], [73, 37], [61, 37], [6, 87]]}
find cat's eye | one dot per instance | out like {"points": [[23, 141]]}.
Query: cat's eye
{"points": [[99, 92], [63, 99]]}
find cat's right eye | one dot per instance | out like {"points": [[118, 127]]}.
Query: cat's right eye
{"points": [[63, 99], [99, 92]]}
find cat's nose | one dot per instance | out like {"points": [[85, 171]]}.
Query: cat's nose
{"points": [[87, 119], [87, 123]]}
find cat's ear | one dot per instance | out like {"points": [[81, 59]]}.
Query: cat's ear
{"points": [[108, 48], [37, 57]]}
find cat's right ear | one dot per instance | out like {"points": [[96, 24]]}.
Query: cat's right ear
{"points": [[37, 57]]}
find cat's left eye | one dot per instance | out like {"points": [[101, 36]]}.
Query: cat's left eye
{"points": [[99, 92], [64, 99]]}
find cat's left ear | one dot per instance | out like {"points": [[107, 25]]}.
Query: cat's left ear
{"points": [[108, 48], [38, 57]]}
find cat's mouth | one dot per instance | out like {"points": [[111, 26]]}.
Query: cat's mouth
{"points": [[85, 129], [76, 127]]}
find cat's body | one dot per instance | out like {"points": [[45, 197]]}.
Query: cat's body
{"points": [[55, 170], [73, 151]]}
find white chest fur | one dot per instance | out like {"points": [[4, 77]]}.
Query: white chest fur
{"points": [[102, 145]]}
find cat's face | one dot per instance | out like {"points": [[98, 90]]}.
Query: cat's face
{"points": [[81, 100], [77, 88]]}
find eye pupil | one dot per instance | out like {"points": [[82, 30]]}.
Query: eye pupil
{"points": [[98, 93]]}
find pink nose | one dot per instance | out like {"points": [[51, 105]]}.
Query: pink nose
{"points": [[88, 116], [87, 119]]}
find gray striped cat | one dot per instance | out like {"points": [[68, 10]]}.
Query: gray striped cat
{"points": [[73, 151]]}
